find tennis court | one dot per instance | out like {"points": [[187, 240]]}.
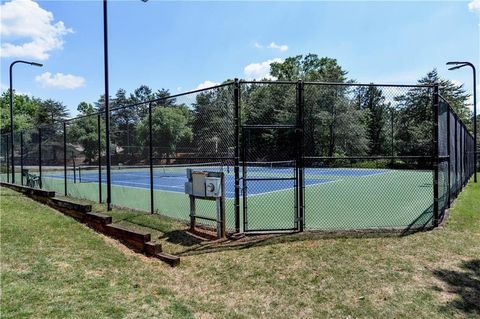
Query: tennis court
{"points": [[336, 198], [350, 175], [172, 178]]}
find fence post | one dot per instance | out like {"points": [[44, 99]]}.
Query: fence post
{"points": [[392, 138], [237, 119], [150, 153], [21, 158], [99, 146], [7, 156], [448, 154], [300, 164], [40, 155], [435, 154], [65, 157], [456, 156]]}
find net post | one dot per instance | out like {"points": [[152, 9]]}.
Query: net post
{"points": [[299, 160], [99, 141], [65, 157], [150, 153], [21, 158], [237, 119], [435, 154], [40, 155]]}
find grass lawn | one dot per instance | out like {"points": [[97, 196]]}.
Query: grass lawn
{"points": [[54, 267]]}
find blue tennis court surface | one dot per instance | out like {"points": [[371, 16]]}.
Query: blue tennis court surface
{"points": [[175, 181]]}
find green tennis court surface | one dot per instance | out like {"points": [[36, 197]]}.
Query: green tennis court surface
{"points": [[347, 200]]}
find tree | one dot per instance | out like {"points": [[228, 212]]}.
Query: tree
{"points": [[83, 132], [50, 111], [212, 123], [415, 113], [24, 110], [376, 111], [327, 107], [169, 128], [308, 68]]}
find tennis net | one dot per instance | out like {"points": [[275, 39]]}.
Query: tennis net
{"points": [[90, 174]]}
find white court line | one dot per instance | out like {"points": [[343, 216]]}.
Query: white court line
{"points": [[127, 184], [290, 188]]}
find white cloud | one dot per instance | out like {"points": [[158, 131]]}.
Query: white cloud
{"points": [[260, 70], [275, 46], [60, 80], [206, 84], [27, 30], [272, 45], [474, 6]]}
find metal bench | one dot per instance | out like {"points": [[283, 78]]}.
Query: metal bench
{"points": [[32, 179]]}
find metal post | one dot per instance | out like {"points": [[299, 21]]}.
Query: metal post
{"points": [[99, 141], [448, 153], [456, 157], [65, 157], [6, 157], [474, 123], [236, 97], [11, 108], [11, 123], [435, 155], [192, 213], [107, 108], [392, 138], [244, 179], [40, 156], [220, 203], [74, 169], [150, 153], [21, 157], [300, 164]]}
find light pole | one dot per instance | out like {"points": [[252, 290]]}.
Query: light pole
{"points": [[11, 110], [459, 65], [107, 106]]}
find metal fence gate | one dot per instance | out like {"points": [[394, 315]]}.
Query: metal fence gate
{"points": [[270, 182]]}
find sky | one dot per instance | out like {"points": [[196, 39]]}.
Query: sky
{"points": [[181, 46]]}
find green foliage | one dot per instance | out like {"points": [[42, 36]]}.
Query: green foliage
{"points": [[415, 113], [339, 120], [24, 111], [212, 121], [84, 132], [308, 68], [50, 111], [169, 127], [376, 114]]}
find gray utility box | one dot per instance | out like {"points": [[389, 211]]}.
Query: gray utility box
{"points": [[203, 184]]}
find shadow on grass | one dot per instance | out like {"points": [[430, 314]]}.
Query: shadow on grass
{"points": [[465, 284], [422, 223], [250, 241], [181, 237]]}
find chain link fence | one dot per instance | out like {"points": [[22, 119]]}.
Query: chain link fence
{"points": [[296, 155]]}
